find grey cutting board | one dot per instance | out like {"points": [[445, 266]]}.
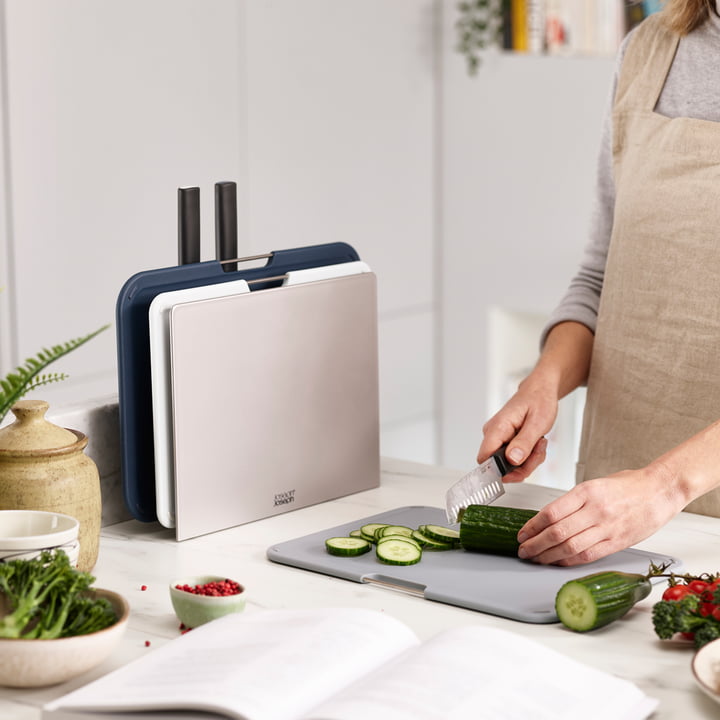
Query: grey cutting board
{"points": [[504, 586]]}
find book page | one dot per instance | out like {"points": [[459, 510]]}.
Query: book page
{"points": [[269, 665], [486, 674]]}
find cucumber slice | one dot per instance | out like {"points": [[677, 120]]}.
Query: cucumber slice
{"points": [[370, 529], [385, 538], [592, 601], [398, 552], [355, 533], [393, 530], [428, 544], [438, 533], [347, 546]]}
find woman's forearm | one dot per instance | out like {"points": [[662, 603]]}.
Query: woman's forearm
{"points": [[565, 358]]}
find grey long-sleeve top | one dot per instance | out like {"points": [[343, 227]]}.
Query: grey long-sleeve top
{"points": [[692, 89]]}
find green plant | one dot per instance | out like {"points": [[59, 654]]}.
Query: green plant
{"points": [[48, 599], [30, 375], [480, 25]]}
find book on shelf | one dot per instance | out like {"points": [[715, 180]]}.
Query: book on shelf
{"points": [[352, 664], [573, 27]]}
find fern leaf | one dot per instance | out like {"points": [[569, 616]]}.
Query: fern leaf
{"points": [[28, 376]]}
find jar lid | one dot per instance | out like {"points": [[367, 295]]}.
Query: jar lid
{"points": [[31, 431]]}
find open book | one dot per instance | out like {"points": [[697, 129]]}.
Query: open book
{"points": [[355, 664]]}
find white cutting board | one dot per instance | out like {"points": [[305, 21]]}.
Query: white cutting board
{"points": [[494, 584], [159, 319]]}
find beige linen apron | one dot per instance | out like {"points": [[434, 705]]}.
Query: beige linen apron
{"points": [[655, 372]]}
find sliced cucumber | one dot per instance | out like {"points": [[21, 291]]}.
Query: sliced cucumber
{"points": [[393, 530], [592, 601], [347, 546], [441, 534], [368, 531], [355, 533], [399, 551], [428, 544], [385, 538]]}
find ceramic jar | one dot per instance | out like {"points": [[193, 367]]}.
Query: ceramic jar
{"points": [[43, 467]]}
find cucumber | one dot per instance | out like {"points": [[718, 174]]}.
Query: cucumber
{"points": [[493, 528], [347, 546], [398, 552], [595, 600]]}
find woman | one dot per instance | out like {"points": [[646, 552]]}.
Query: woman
{"points": [[640, 323]]}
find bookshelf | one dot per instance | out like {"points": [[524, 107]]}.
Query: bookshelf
{"points": [[553, 27]]}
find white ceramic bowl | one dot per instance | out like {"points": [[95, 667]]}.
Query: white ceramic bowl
{"points": [[706, 669], [193, 610], [36, 663], [24, 534]]}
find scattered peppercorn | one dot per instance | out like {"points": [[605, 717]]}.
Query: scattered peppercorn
{"points": [[147, 643], [143, 587], [216, 588]]}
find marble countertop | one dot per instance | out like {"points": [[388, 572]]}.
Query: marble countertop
{"points": [[136, 555]]}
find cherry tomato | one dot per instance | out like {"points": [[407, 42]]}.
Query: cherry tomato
{"points": [[688, 635], [676, 592], [709, 594], [706, 609], [716, 613], [698, 586]]}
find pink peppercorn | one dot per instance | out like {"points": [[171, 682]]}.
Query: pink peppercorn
{"points": [[215, 588]]}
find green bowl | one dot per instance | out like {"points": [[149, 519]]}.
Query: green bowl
{"points": [[193, 610]]}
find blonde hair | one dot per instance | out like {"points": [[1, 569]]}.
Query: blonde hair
{"points": [[683, 16]]}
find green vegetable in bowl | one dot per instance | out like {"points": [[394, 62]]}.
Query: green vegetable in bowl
{"points": [[48, 598]]}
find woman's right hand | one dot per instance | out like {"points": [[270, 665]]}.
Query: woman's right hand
{"points": [[522, 422], [530, 413]]}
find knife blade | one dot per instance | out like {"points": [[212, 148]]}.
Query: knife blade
{"points": [[480, 486]]}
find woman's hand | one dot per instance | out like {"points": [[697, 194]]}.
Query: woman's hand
{"points": [[531, 411], [604, 515], [523, 421], [600, 517]]}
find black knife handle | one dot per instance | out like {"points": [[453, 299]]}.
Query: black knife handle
{"points": [[226, 227], [501, 461], [188, 225]]}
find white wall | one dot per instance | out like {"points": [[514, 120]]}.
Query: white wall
{"points": [[321, 110], [348, 120], [519, 147]]}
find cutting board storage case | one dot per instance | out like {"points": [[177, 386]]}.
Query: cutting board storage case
{"points": [[134, 361]]}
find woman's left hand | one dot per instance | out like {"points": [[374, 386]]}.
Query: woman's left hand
{"points": [[600, 517]]}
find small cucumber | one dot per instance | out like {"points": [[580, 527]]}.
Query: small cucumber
{"points": [[590, 602]]}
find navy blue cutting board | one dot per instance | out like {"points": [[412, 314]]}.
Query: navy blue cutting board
{"points": [[504, 586], [133, 347]]}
